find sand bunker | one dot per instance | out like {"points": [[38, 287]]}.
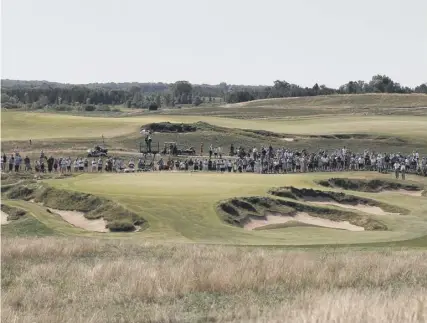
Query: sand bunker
{"points": [[302, 218], [288, 139], [376, 210], [78, 220], [405, 192], [4, 218]]}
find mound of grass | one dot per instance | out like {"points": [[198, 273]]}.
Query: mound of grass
{"points": [[20, 191], [121, 226], [13, 213], [26, 226], [170, 127], [307, 194], [118, 218], [239, 211], [371, 186], [238, 216]]}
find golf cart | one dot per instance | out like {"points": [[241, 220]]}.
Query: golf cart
{"points": [[97, 151]]}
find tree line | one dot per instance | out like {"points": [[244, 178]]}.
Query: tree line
{"points": [[39, 94]]}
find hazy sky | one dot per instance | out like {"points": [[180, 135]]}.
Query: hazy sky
{"points": [[236, 41]]}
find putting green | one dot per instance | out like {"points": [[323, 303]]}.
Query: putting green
{"points": [[181, 207], [24, 126]]}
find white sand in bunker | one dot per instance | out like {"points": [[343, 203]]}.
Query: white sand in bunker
{"points": [[405, 192], [302, 217], [376, 210], [4, 218], [288, 139], [78, 220]]}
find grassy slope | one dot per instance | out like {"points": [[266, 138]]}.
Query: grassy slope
{"points": [[345, 101], [185, 211], [23, 125], [297, 117], [384, 104]]}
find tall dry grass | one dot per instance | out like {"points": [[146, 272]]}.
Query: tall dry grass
{"points": [[83, 280]]}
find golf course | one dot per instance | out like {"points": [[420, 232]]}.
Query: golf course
{"points": [[193, 246]]}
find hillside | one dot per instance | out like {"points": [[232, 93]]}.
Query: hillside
{"points": [[389, 100], [339, 104]]}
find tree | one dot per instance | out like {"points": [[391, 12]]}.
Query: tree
{"points": [[153, 106], [239, 96], [316, 88], [197, 101], [422, 88], [158, 101], [167, 99], [182, 90], [382, 84], [43, 100]]}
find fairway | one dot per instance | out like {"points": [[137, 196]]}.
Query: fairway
{"points": [[25, 126], [186, 211]]}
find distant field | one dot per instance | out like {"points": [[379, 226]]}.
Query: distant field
{"points": [[346, 101], [363, 104], [24, 126]]}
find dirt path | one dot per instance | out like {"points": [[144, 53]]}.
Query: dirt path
{"points": [[4, 218], [78, 220], [303, 218]]}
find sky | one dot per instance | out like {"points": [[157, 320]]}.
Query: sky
{"points": [[210, 41]]}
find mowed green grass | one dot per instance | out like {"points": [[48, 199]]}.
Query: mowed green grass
{"points": [[24, 126], [371, 100], [372, 104], [181, 207]]}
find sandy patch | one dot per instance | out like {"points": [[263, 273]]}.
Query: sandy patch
{"points": [[303, 218], [4, 218], [288, 139], [78, 220], [359, 207], [405, 192]]}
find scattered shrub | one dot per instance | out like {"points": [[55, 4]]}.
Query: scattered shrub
{"points": [[170, 127], [121, 226], [89, 107], [13, 213]]}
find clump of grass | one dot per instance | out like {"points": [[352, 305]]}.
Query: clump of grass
{"points": [[13, 213], [121, 225], [239, 216], [370, 186], [339, 197], [21, 192], [239, 211], [170, 127], [93, 207], [62, 279], [67, 200]]}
